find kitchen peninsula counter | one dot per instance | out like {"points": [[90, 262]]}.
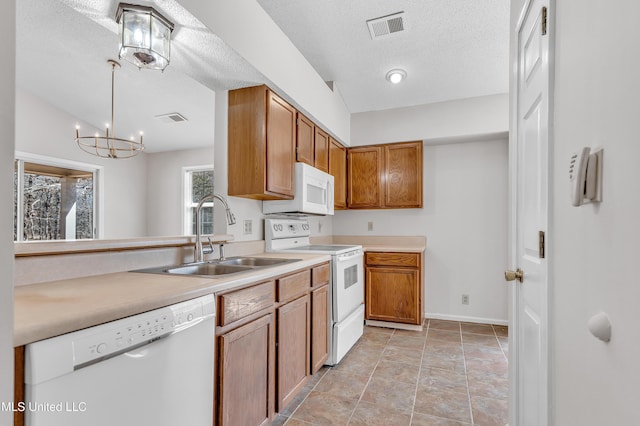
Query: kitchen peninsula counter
{"points": [[48, 309]]}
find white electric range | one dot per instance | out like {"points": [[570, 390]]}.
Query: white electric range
{"points": [[346, 286]]}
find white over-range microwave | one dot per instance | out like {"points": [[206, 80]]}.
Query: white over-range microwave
{"points": [[313, 193]]}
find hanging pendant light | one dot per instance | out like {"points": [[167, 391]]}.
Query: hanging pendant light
{"points": [[109, 146], [145, 36]]}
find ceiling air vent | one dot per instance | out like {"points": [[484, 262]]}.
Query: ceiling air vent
{"points": [[386, 25], [172, 117]]}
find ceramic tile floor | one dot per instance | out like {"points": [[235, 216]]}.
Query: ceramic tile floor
{"points": [[449, 374]]}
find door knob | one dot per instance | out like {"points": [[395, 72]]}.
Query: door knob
{"points": [[514, 275]]}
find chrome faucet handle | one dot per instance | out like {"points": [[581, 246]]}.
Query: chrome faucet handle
{"points": [[208, 250]]}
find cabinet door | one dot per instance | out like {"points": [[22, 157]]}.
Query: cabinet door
{"points": [[338, 169], [293, 349], [393, 294], [246, 144], [365, 168], [281, 141], [319, 327], [246, 377], [321, 150], [18, 384], [403, 182], [304, 140]]}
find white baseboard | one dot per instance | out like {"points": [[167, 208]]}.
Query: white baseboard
{"points": [[462, 318]]}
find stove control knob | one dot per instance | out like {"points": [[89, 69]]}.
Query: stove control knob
{"points": [[102, 348]]}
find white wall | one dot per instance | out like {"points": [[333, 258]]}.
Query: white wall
{"points": [[594, 248], [463, 118], [247, 28], [7, 123], [164, 205], [44, 129], [464, 217], [464, 220]]}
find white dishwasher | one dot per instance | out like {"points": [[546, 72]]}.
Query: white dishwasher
{"points": [[155, 368]]}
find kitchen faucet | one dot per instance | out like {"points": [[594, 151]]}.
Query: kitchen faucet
{"points": [[198, 255]]}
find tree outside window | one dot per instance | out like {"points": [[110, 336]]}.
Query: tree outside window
{"points": [[198, 183], [53, 202]]}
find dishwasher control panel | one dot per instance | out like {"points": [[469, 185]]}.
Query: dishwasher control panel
{"points": [[128, 333]]}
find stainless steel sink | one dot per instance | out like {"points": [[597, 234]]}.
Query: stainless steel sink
{"points": [[215, 268], [254, 261], [207, 269]]}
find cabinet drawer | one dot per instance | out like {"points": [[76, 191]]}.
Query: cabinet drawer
{"points": [[320, 274], [239, 304], [393, 259], [293, 285]]}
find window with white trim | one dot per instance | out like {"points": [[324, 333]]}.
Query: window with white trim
{"points": [[54, 200], [198, 182]]}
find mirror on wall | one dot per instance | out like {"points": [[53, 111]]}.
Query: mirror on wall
{"points": [[63, 80]]}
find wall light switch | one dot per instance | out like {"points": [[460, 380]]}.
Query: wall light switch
{"points": [[248, 227], [369, 226]]}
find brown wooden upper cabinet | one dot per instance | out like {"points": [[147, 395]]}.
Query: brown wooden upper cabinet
{"points": [[385, 176], [312, 144], [262, 142], [338, 169], [364, 180], [304, 140], [403, 175], [321, 150]]}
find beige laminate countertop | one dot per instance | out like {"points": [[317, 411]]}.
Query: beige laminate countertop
{"points": [[406, 244], [49, 309]]}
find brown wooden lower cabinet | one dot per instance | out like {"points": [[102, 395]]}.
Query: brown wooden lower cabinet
{"points": [[18, 388], [393, 287], [264, 361], [319, 327], [246, 374], [293, 349]]}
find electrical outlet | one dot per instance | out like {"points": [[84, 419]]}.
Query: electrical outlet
{"points": [[248, 227], [369, 226], [465, 299], [319, 227]]}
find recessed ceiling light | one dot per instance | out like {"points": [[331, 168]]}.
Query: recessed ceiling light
{"points": [[396, 76]]}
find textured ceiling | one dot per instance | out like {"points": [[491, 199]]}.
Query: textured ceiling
{"points": [[62, 48], [451, 49]]}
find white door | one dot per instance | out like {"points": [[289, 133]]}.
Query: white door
{"points": [[529, 173]]}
